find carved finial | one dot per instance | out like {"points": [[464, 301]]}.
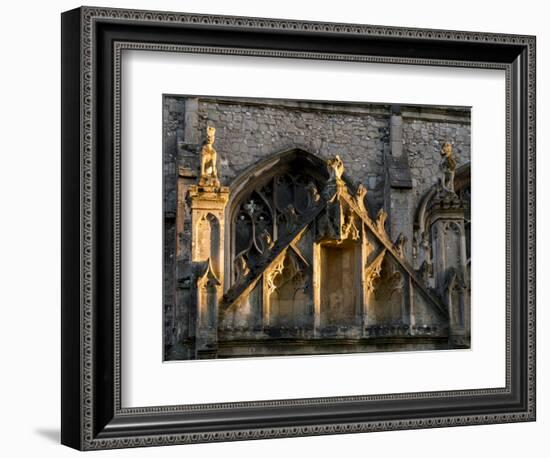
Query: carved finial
{"points": [[448, 166], [335, 184], [267, 241], [313, 194], [381, 217], [425, 271], [209, 157], [373, 271], [400, 244], [272, 273], [241, 268], [335, 168], [360, 195], [291, 218]]}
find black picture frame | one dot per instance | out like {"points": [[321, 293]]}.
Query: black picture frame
{"points": [[92, 416]]}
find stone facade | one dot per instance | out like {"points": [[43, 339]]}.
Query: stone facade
{"points": [[275, 282]]}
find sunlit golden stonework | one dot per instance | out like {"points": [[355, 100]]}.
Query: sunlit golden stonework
{"points": [[284, 258]]}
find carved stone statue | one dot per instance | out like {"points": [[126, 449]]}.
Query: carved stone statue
{"points": [[209, 157], [335, 185], [448, 166], [335, 168]]}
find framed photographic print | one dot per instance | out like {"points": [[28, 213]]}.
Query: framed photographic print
{"points": [[276, 228]]}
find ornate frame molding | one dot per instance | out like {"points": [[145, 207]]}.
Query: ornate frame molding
{"points": [[93, 40]]}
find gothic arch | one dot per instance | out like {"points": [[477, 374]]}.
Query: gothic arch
{"points": [[208, 233], [258, 171], [268, 188], [461, 187]]}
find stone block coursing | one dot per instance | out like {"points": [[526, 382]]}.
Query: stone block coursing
{"points": [[248, 131]]}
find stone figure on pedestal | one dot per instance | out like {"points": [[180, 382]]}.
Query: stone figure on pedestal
{"points": [[448, 166], [209, 157]]}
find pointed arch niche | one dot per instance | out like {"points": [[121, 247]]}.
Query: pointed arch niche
{"points": [[265, 203], [208, 240]]}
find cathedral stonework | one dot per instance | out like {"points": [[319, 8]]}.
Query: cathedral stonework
{"points": [[301, 227]]}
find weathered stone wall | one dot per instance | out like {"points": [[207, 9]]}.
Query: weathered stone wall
{"points": [[249, 130], [257, 131]]}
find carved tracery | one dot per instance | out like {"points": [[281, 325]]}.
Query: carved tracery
{"points": [[288, 290], [384, 290], [269, 212], [345, 236]]}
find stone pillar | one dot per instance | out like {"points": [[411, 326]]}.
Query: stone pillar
{"points": [[396, 132], [437, 230], [206, 296], [186, 146], [398, 198], [186, 178], [467, 293], [410, 294], [191, 133], [366, 250], [207, 204], [449, 254], [316, 289]]}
